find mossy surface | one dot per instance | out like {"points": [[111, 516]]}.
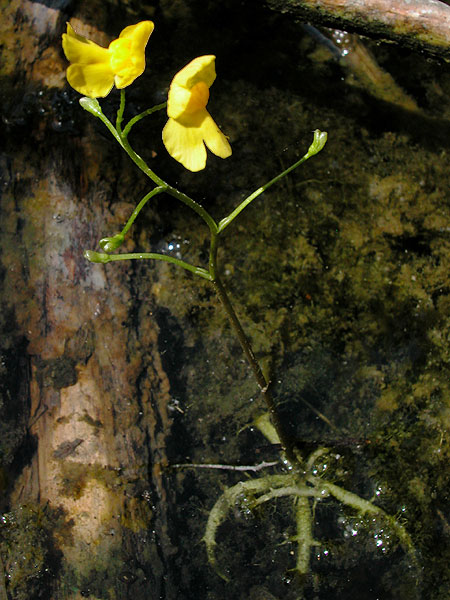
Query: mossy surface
{"points": [[27, 551]]}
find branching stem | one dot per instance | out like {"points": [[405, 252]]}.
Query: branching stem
{"points": [[212, 273]]}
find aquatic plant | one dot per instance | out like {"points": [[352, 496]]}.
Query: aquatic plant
{"points": [[188, 130], [303, 484]]}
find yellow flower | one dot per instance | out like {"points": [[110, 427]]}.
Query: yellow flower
{"points": [[190, 126], [94, 70]]}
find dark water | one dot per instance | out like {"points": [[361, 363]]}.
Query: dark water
{"points": [[339, 275]]}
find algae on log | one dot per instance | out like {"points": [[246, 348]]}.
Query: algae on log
{"points": [[93, 442]]}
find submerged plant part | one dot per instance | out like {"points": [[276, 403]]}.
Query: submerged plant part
{"points": [[95, 70], [190, 126], [306, 489], [362, 68], [360, 62]]}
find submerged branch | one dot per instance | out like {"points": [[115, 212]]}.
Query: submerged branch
{"points": [[421, 25], [253, 468]]}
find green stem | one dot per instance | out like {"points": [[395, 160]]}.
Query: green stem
{"points": [[140, 116], [213, 255], [140, 162], [140, 206], [120, 112], [143, 166], [320, 138], [318, 143], [109, 244], [100, 257], [263, 383], [110, 127], [195, 206], [215, 229], [227, 220]]}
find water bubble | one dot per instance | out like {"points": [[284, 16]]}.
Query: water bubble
{"points": [[172, 247], [379, 490], [322, 554]]}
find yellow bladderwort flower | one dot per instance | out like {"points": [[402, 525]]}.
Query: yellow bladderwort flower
{"points": [[94, 70], [190, 126]]}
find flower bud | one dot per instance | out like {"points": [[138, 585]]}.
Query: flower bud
{"points": [[96, 257], [109, 244], [320, 139], [91, 105]]}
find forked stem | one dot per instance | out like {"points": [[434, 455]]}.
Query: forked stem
{"points": [[211, 274]]}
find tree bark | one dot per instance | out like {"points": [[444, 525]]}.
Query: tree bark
{"points": [[421, 25]]}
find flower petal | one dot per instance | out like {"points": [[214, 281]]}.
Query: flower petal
{"points": [[201, 71], [95, 80], [185, 144], [128, 53], [82, 51], [182, 102], [139, 33], [201, 68], [215, 140], [177, 100]]}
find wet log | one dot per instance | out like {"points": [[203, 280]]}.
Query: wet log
{"points": [[421, 25], [93, 393]]}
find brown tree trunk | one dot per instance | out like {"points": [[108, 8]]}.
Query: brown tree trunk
{"points": [[99, 418]]}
